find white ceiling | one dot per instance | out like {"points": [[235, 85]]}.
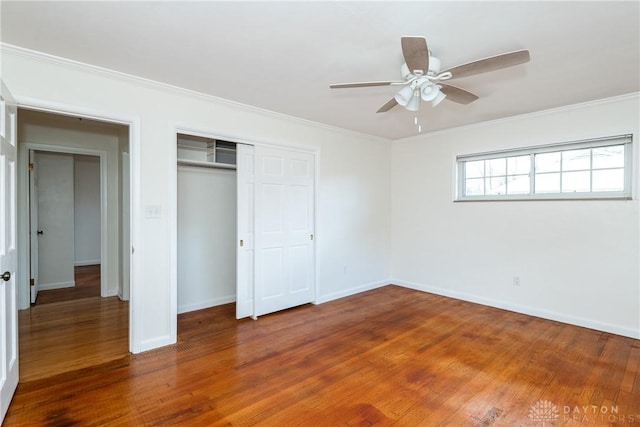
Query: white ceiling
{"points": [[282, 56]]}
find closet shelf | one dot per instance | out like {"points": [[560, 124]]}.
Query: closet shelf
{"points": [[206, 152]]}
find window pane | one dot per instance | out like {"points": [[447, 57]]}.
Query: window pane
{"points": [[496, 167], [547, 182], [576, 160], [474, 187], [547, 162], [518, 184], [577, 182], [495, 185], [608, 180], [474, 169], [520, 165], [608, 157]]}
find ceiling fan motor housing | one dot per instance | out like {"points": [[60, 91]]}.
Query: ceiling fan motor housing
{"points": [[434, 68]]}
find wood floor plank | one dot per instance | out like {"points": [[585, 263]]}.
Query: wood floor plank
{"points": [[391, 356], [87, 285]]}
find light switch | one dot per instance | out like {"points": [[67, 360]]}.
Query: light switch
{"points": [[153, 211]]}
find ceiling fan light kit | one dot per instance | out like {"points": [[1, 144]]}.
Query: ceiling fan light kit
{"points": [[438, 99], [409, 97], [429, 92], [404, 96], [413, 104], [423, 79]]}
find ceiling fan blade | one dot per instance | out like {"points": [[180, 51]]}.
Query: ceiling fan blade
{"points": [[491, 63], [458, 95], [362, 84], [388, 106], [416, 53]]}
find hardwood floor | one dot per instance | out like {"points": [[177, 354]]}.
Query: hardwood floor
{"points": [[70, 335], [87, 279], [391, 356]]}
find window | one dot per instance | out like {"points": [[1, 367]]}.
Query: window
{"points": [[594, 169]]}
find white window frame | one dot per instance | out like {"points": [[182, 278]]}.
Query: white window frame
{"points": [[625, 194]]}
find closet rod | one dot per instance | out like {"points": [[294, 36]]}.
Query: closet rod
{"points": [[206, 165]]}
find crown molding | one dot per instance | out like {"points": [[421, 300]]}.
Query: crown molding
{"points": [[565, 108], [33, 55]]}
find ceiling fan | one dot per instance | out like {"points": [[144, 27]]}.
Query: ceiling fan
{"points": [[423, 79]]}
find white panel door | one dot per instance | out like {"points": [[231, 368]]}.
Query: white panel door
{"points": [[8, 257], [245, 212], [33, 225], [284, 227]]}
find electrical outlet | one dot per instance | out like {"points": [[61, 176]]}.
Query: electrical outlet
{"points": [[516, 280]]}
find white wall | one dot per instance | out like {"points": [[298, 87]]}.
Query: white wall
{"points": [[578, 261], [55, 130], [207, 215], [86, 209], [56, 220], [353, 210]]}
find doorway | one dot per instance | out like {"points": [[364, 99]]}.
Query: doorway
{"points": [[206, 222], [65, 226], [84, 176]]}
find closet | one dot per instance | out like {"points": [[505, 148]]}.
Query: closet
{"points": [[206, 209], [246, 218]]}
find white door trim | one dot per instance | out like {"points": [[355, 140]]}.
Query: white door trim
{"points": [[23, 169], [133, 122]]}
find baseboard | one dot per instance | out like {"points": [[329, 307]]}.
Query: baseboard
{"points": [[185, 308], [351, 291], [153, 344], [60, 285], [110, 293], [89, 262], [531, 311]]}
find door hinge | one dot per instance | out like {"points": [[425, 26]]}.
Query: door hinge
{"points": [[311, 237], [30, 167], [241, 243], [32, 282]]}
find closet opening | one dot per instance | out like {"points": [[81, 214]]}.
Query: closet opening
{"points": [[206, 222]]}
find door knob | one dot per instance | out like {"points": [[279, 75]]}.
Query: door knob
{"points": [[40, 232], [6, 276]]}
